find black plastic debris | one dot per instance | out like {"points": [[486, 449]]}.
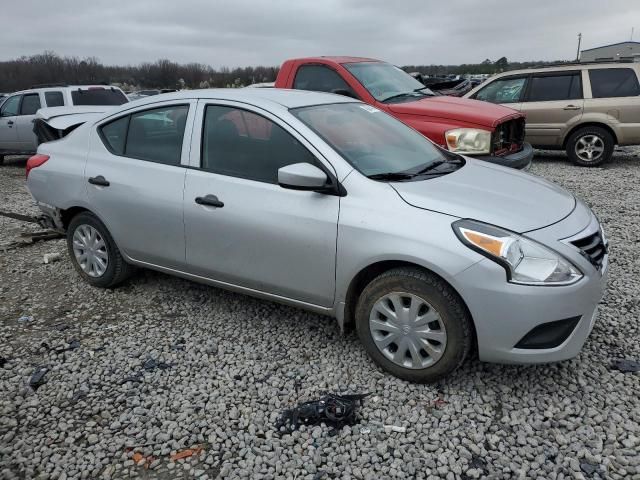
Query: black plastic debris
{"points": [[152, 364], [3, 362], [73, 344], [626, 366], [479, 464], [334, 410], [588, 468], [135, 378], [37, 377]]}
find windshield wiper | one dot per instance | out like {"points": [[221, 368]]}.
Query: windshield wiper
{"points": [[436, 164], [391, 176], [398, 95]]}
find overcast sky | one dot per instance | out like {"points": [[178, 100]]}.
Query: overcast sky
{"points": [[266, 32]]}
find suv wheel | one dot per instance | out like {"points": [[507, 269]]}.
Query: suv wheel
{"points": [[1, 159], [413, 325], [93, 252], [590, 146]]}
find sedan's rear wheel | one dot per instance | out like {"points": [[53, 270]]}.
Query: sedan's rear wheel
{"points": [[413, 325], [93, 252]]}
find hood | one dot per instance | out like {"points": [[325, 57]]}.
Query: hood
{"points": [[454, 108], [492, 194]]}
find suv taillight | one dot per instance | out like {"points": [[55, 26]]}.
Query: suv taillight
{"points": [[35, 162]]}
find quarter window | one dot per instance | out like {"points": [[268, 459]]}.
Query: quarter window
{"points": [[320, 79], [155, 135], [30, 104], [114, 135], [613, 82], [503, 90], [545, 88], [54, 99], [10, 107], [243, 144]]}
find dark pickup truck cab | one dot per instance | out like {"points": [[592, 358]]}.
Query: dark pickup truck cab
{"points": [[483, 130]]}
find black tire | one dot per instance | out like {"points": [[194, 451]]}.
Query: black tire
{"points": [[117, 269], [446, 302], [601, 135], [1, 159]]}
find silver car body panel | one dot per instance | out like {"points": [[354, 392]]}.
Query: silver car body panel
{"points": [[305, 248]]}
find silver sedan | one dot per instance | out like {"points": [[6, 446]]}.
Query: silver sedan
{"points": [[328, 204]]}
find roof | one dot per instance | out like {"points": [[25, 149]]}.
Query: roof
{"points": [[611, 45], [567, 67], [337, 59], [257, 96]]}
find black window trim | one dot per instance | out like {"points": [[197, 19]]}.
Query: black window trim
{"points": [[126, 136], [330, 67], [554, 73], [334, 187], [633, 71], [526, 76]]}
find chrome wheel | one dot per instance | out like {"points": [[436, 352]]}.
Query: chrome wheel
{"points": [[408, 330], [589, 148], [90, 250]]}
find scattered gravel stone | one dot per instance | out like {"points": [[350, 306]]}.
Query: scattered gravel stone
{"points": [[237, 362]]}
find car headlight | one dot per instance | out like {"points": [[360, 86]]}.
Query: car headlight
{"points": [[526, 262], [470, 141]]}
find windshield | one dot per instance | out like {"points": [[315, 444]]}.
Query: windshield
{"points": [[385, 81], [370, 140], [98, 96]]}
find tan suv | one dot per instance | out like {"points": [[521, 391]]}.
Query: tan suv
{"points": [[585, 109]]}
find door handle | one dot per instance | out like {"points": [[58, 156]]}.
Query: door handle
{"points": [[572, 107], [209, 201], [10, 122], [99, 180]]}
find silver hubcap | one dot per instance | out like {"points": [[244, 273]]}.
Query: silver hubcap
{"points": [[589, 148], [90, 251], [408, 330]]}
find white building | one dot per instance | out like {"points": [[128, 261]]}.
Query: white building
{"points": [[629, 51]]}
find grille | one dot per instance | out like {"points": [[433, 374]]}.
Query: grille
{"points": [[593, 248], [508, 136]]}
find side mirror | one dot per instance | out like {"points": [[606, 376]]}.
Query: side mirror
{"points": [[302, 176], [346, 93]]}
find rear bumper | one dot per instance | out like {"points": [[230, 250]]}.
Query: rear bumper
{"points": [[518, 160]]}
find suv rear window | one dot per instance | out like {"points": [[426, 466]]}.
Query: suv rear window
{"points": [[545, 88], [54, 99], [98, 96], [30, 104], [613, 82]]}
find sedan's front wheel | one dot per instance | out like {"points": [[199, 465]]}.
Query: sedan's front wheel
{"points": [[93, 252], [414, 325]]}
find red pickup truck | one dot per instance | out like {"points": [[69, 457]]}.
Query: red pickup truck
{"points": [[483, 130]]}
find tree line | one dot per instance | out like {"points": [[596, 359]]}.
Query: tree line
{"points": [[50, 68]]}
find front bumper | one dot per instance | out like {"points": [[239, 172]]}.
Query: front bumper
{"points": [[504, 313], [518, 160]]}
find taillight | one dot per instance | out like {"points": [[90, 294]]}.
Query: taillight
{"points": [[35, 162]]}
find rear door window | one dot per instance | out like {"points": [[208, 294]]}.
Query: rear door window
{"points": [[544, 88], [613, 82], [30, 104], [98, 96], [154, 135], [54, 99], [503, 90], [319, 79]]}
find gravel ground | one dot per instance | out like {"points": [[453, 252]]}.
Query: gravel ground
{"points": [[232, 363]]}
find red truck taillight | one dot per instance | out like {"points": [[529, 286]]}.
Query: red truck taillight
{"points": [[35, 162]]}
